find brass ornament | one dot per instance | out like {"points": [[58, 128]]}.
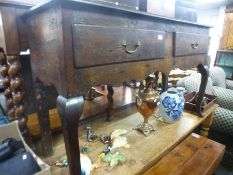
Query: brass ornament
{"points": [[146, 101]]}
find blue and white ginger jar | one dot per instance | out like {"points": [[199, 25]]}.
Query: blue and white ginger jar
{"points": [[171, 105]]}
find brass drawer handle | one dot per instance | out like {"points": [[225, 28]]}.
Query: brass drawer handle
{"points": [[194, 45], [124, 46]]}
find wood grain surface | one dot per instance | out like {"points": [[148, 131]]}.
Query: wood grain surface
{"points": [[184, 41], [196, 155], [110, 49], [144, 151]]}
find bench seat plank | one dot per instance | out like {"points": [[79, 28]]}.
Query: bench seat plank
{"points": [[196, 155]]}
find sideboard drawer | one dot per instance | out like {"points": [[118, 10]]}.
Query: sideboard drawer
{"points": [[102, 45], [190, 44]]}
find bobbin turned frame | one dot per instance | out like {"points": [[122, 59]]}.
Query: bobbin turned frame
{"points": [[14, 92]]}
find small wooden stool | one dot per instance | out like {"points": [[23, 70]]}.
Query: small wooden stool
{"points": [[196, 155]]}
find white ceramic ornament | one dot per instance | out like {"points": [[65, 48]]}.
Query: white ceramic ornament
{"points": [[171, 105]]}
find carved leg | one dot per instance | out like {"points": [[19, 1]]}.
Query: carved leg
{"points": [[133, 83], [124, 89], [102, 87], [70, 111], [141, 86], [110, 102], [205, 126], [43, 117], [90, 95], [164, 82], [124, 83], [202, 88]]}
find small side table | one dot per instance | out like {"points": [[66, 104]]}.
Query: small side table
{"points": [[208, 115]]}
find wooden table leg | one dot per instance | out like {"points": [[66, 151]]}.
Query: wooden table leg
{"points": [[70, 111], [43, 117], [164, 82], [205, 126], [102, 87], [110, 102], [90, 94]]}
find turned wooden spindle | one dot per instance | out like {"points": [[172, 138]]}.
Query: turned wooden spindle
{"points": [[4, 70], [90, 94], [110, 102], [15, 83], [7, 92], [9, 103], [4, 67], [16, 88]]}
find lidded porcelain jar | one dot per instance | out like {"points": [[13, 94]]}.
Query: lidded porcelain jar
{"points": [[171, 105]]}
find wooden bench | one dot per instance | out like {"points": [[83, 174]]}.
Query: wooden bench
{"points": [[196, 155]]}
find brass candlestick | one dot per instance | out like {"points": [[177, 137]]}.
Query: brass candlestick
{"points": [[146, 101]]}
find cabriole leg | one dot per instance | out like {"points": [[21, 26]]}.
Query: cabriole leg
{"points": [[70, 111]]}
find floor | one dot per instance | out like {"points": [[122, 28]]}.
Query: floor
{"points": [[222, 171]]}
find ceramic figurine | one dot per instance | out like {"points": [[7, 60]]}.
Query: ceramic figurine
{"points": [[86, 164], [118, 132], [90, 136], [118, 140], [171, 105], [114, 159], [146, 101]]}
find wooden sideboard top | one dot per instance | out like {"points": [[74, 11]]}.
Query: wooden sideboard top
{"points": [[121, 10], [59, 30]]}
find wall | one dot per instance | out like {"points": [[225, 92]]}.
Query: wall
{"points": [[213, 17], [2, 37]]}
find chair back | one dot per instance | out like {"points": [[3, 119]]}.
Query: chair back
{"points": [[218, 76], [192, 83]]}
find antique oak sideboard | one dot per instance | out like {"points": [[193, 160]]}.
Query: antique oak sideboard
{"points": [[77, 44]]}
